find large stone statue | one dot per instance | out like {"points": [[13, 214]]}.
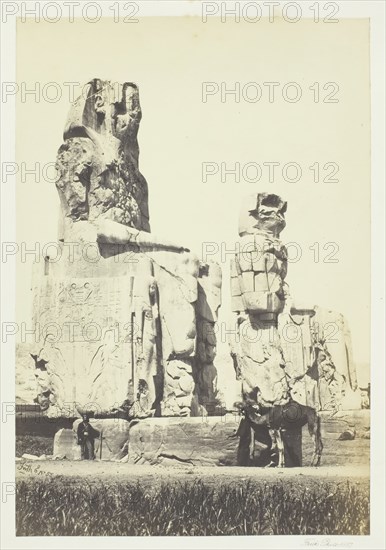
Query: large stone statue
{"points": [[281, 353], [122, 305], [98, 161], [258, 296]]}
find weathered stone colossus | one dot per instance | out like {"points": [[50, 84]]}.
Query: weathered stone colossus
{"points": [[282, 352], [259, 294], [121, 311], [98, 161]]}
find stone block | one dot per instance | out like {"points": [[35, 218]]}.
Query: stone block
{"points": [[198, 441], [114, 436], [262, 302], [65, 445], [261, 282], [244, 260], [259, 261], [237, 303], [248, 281], [235, 287]]}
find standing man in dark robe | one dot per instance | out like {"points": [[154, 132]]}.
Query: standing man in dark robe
{"points": [[86, 436]]}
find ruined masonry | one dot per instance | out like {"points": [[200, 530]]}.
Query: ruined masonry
{"points": [[127, 318], [283, 351]]}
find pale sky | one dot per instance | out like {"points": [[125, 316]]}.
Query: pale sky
{"points": [[170, 59]]}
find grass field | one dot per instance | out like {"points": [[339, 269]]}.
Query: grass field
{"points": [[78, 506], [101, 498]]}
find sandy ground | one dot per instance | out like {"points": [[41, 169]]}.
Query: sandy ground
{"points": [[152, 475]]}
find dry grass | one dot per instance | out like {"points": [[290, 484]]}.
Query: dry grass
{"points": [[59, 506]]}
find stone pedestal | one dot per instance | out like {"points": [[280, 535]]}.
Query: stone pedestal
{"points": [[219, 441], [111, 445], [87, 331], [119, 333], [125, 320], [197, 441]]}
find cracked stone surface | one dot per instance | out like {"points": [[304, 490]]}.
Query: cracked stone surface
{"points": [[121, 311], [259, 294], [98, 161], [110, 445], [195, 441], [127, 335], [281, 351]]}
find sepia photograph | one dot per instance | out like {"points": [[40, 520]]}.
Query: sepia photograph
{"points": [[193, 275]]}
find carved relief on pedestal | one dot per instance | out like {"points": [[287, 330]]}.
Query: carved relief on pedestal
{"points": [[107, 378], [54, 388]]}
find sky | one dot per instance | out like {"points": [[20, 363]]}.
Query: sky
{"points": [[185, 134]]}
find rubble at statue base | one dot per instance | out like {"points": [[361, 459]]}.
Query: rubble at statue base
{"points": [[126, 318]]}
